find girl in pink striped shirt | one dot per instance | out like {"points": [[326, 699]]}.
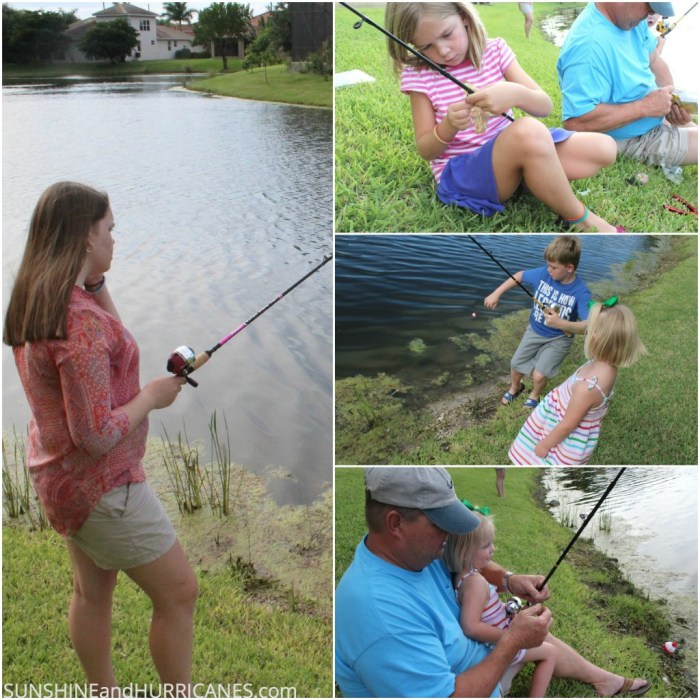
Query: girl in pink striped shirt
{"points": [[479, 158], [483, 616]]}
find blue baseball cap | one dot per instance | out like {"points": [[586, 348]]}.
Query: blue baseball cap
{"points": [[428, 488], [665, 9]]}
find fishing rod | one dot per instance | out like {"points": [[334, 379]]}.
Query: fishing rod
{"points": [[669, 29], [515, 604], [415, 52], [183, 360], [520, 284]]}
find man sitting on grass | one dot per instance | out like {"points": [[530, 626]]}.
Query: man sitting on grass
{"points": [[613, 80]]}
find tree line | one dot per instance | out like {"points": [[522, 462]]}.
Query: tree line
{"points": [[29, 36]]}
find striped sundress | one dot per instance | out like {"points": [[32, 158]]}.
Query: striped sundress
{"points": [[494, 613], [575, 448]]}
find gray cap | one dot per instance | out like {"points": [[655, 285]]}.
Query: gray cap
{"points": [[665, 9], [428, 488]]}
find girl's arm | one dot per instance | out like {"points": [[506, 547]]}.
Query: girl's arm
{"points": [[582, 400], [519, 90], [475, 594], [491, 301], [428, 144]]}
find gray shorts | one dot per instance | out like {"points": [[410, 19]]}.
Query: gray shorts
{"points": [[665, 145], [540, 353], [128, 527]]}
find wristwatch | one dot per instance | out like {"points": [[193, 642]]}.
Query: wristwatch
{"points": [[506, 581]]}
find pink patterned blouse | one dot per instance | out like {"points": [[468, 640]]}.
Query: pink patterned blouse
{"points": [[78, 449]]}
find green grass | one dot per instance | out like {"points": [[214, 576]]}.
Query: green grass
{"points": [[240, 637], [382, 185], [276, 84], [652, 417], [595, 610]]}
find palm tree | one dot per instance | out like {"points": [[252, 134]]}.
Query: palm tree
{"points": [[177, 12]]}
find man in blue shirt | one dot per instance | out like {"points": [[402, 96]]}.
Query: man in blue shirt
{"points": [[396, 615], [397, 630], [613, 80]]}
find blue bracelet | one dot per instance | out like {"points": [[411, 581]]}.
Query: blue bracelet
{"points": [[580, 220]]}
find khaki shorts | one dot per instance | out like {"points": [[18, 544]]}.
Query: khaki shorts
{"points": [[541, 353], [128, 527], [664, 145]]}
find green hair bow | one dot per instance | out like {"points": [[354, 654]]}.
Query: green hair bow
{"points": [[608, 302], [484, 510]]}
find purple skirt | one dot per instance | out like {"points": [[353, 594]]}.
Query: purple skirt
{"points": [[469, 181]]}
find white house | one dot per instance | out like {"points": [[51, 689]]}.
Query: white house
{"points": [[156, 42]]}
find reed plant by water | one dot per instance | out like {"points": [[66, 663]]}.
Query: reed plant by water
{"points": [[18, 497], [194, 485]]}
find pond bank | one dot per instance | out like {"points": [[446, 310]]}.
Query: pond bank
{"points": [[382, 420]]}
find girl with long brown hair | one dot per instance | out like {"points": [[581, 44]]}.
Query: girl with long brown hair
{"points": [[79, 368]]}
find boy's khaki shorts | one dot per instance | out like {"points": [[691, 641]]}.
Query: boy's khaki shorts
{"points": [[664, 145], [541, 353], [128, 527]]}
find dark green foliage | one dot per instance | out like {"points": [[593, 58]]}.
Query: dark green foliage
{"points": [[113, 41]]}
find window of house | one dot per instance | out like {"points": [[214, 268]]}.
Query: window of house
{"points": [[168, 46], [145, 25]]}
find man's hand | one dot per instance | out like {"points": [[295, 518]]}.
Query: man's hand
{"points": [[530, 626], [678, 116], [658, 102], [525, 586]]}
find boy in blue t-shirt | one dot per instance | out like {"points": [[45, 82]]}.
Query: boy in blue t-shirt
{"points": [[548, 337]]}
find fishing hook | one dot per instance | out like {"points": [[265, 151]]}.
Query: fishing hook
{"points": [[415, 52], [183, 360]]}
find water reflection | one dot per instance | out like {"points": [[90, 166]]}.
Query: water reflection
{"points": [[220, 204], [653, 516]]}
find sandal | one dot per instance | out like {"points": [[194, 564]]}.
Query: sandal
{"points": [[531, 403], [626, 688], [508, 398], [620, 229]]}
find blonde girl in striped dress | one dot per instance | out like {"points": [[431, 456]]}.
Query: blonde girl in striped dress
{"points": [[480, 158], [483, 616], [565, 426]]}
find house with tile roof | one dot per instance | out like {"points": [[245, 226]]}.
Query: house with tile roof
{"points": [[156, 41]]}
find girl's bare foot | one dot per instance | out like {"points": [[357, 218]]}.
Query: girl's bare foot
{"points": [[594, 223]]}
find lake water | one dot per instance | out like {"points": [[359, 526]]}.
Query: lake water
{"points": [[391, 290], [654, 532], [220, 205]]}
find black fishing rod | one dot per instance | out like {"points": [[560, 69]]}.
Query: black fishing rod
{"points": [[522, 286], [514, 605], [582, 528], [415, 52], [183, 361], [668, 30]]}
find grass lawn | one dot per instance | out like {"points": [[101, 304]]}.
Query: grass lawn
{"points": [[595, 611], [652, 417], [274, 84], [241, 635], [382, 185]]}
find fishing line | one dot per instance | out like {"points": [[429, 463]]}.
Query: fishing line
{"points": [[183, 360], [522, 286], [415, 52]]}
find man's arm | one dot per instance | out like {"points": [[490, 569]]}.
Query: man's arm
{"points": [[606, 117], [528, 629]]}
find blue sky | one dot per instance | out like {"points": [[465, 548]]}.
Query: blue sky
{"points": [[86, 9]]}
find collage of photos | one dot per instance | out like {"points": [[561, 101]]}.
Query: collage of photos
{"points": [[350, 349]]}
